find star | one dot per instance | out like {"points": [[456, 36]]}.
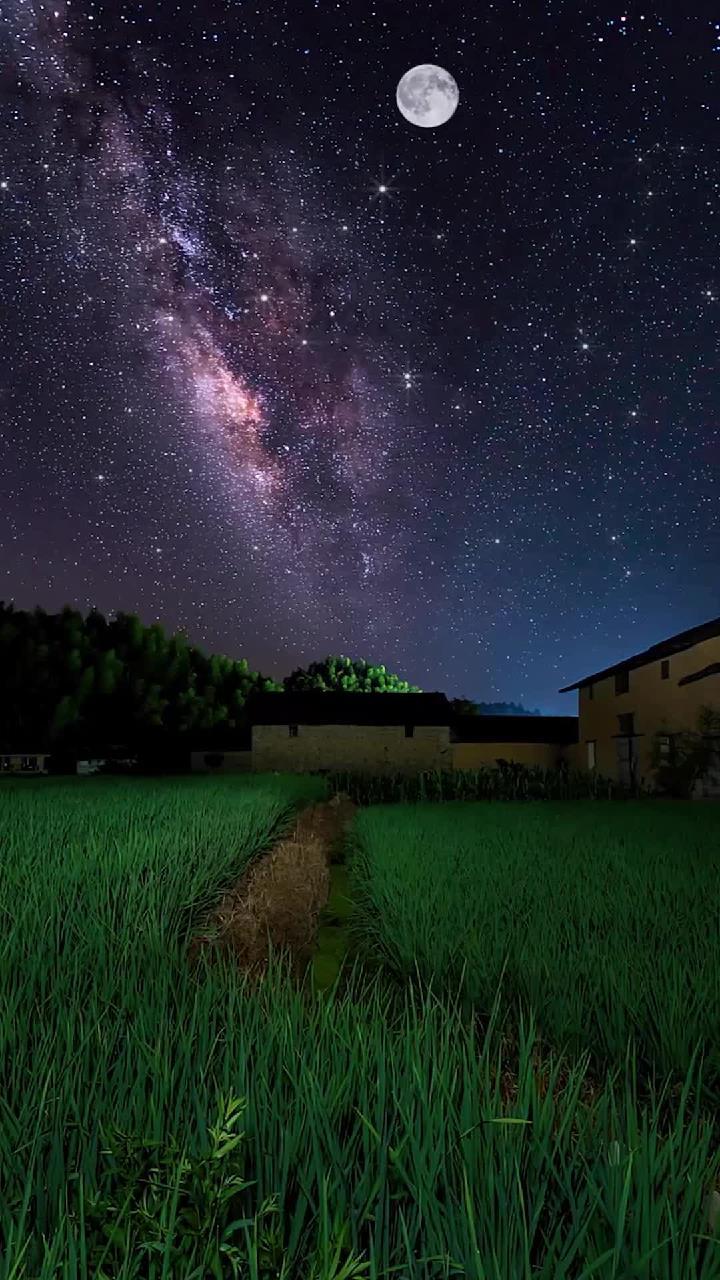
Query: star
{"points": [[217, 281]]}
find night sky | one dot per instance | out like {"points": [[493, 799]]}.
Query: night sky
{"points": [[288, 372]]}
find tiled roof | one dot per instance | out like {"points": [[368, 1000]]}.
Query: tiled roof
{"points": [[349, 708], [551, 729], [665, 649]]}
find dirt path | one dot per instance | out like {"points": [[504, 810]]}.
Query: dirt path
{"points": [[279, 898]]}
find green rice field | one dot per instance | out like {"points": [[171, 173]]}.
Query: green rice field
{"points": [[415, 1119], [604, 919]]}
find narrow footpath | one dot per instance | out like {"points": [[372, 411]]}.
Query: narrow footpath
{"points": [[292, 899]]}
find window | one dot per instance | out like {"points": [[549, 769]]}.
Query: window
{"points": [[665, 669], [409, 730], [591, 755], [666, 748], [292, 731], [622, 681], [626, 723], [590, 691]]}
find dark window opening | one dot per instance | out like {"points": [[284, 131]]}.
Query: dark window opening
{"points": [[409, 730], [626, 723], [590, 689], [622, 681], [667, 748], [292, 731], [665, 669]]}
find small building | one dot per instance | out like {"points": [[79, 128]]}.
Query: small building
{"points": [[24, 762], [479, 741], [88, 767], [658, 691], [362, 732]]}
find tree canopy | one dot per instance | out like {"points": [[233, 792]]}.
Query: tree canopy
{"points": [[345, 675], [68, 681]]}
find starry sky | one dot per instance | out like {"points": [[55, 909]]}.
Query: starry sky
{"points": [[282, 370]]}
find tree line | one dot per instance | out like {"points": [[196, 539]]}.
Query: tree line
{"points": [[69, 681]]}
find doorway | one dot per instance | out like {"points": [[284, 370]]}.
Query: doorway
{"points": [[626, 761]]}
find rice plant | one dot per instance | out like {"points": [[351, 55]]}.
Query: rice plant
{"points": [[163, 1122], [508, 781], [602, 919]]}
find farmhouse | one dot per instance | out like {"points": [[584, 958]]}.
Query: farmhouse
{"points": [[366, 732], [659, 691], [395, 732]]}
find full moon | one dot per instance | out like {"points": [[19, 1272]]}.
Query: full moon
{"points": [[427, 96]]}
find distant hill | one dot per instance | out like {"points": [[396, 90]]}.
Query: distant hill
{"points": [[466, 707], [504, 709]]}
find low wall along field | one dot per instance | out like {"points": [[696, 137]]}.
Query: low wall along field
{"points": [[477, 755], [375, 748]]}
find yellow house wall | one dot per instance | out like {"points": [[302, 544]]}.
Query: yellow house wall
{"points": [[361, 748], [478, 755], [575, 755], [656, 704]]}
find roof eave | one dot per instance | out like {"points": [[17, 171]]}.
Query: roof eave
{"points": [[704, 674], [674, 644]]}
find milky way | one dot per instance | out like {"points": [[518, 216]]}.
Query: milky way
{"points": [[286, 373], [242, 288]]}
